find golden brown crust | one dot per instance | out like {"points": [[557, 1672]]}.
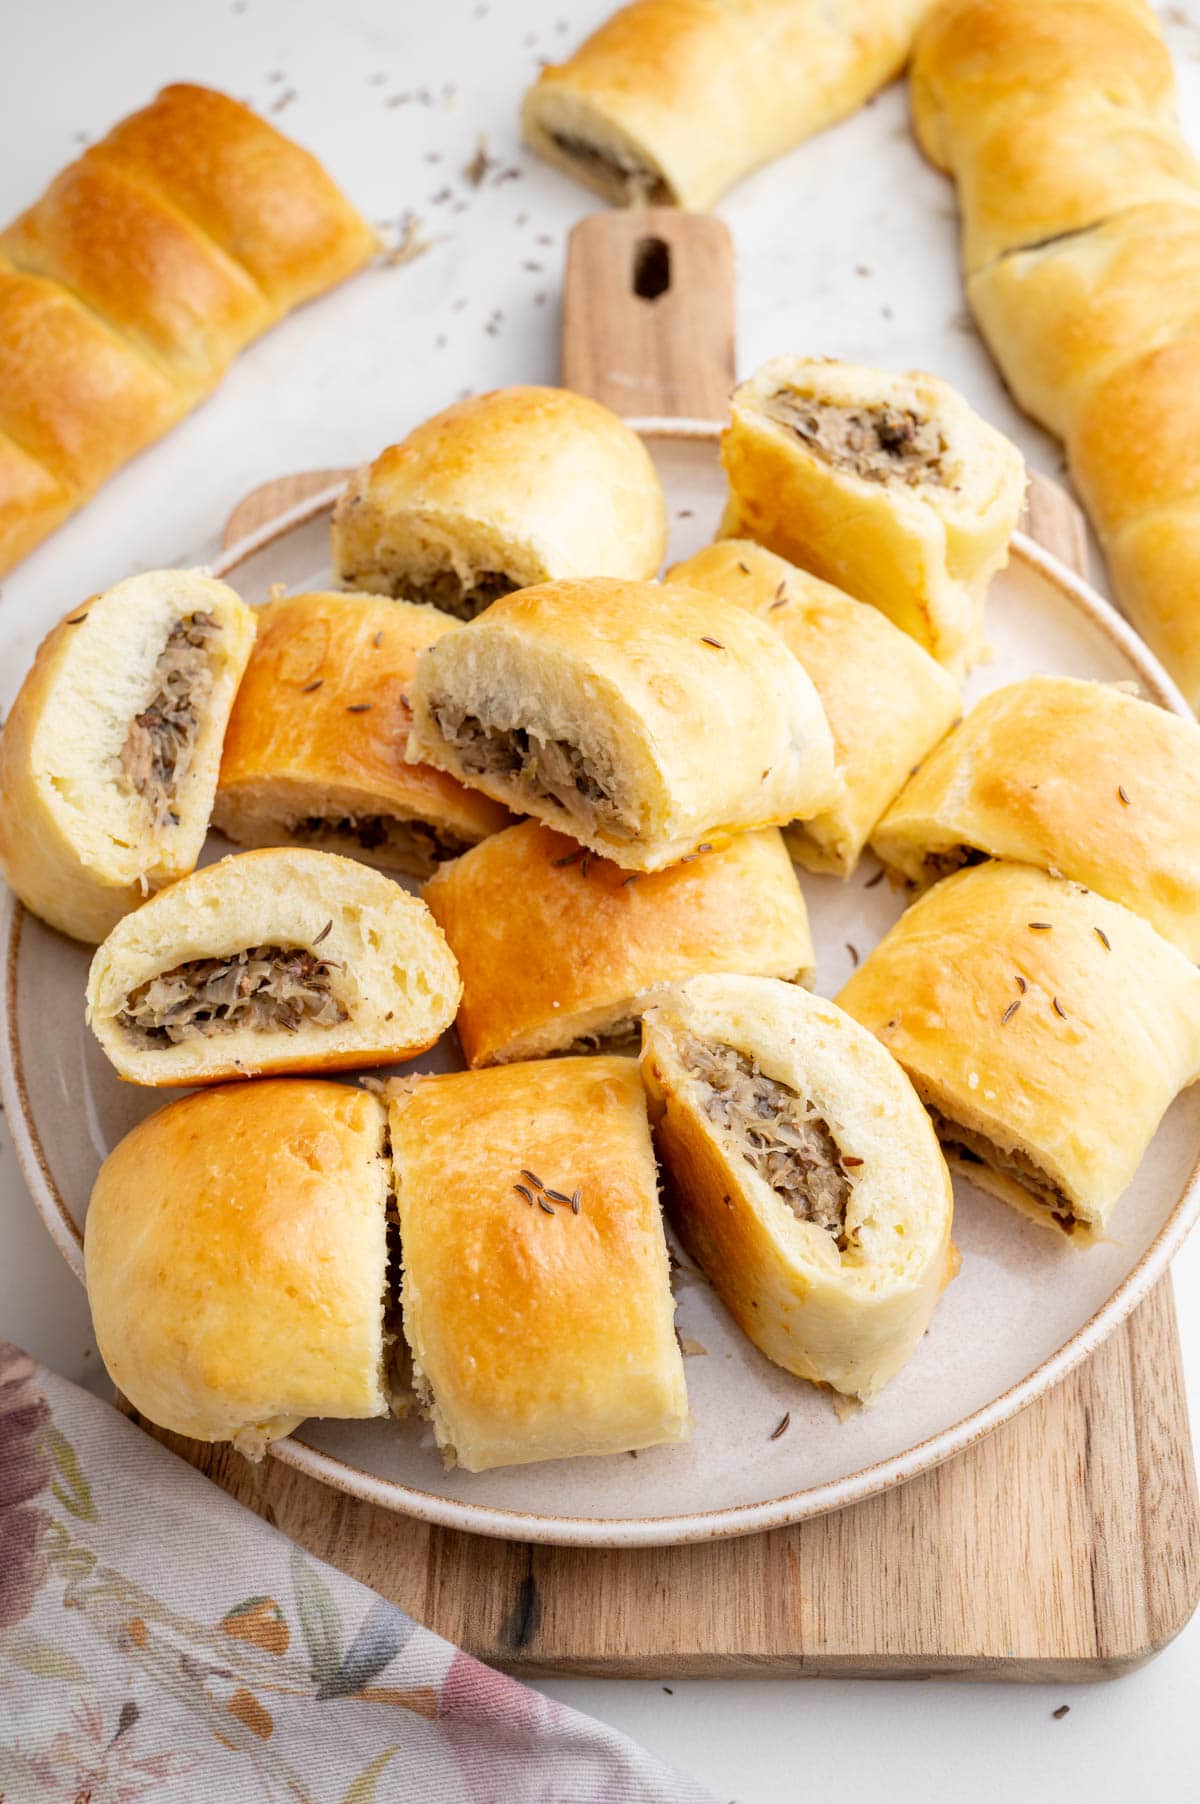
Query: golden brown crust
{"points": [[128, 287], [320, 725], [554, 947], [236, 1260], [1053, 1023], [537, 1332]]}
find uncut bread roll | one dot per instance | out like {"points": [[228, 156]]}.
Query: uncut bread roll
{"points": [[537, 1329], [1080, 778], [670, 102], [806, 1179], [271, 961], [108, 760], [886, 700], [506, 489], [236, 1259], [646, 721], [1081, 242], [1046, 1029], [130, 286], [557, 949], [888, 486], [314, 750]]}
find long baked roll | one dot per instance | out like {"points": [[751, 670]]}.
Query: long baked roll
{"points": [[888, 486], [1046, 1029], [670, 102], [1080, 778], [314, 750], [271, 961], [648, 721], [506, 489], [806, 1179], [558, 949], [237, 1261], [1081, 240], [109, 758], [536, 1294], [129, 287], [886, 700]]}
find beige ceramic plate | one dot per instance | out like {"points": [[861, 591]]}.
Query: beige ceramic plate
{"points": [[1025, 1309]]}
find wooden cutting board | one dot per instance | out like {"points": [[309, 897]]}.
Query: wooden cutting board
{"points": [[1066, 1545]]}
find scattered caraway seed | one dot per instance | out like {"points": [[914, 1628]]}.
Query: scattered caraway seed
{"points": [[684, 513], [782, 1426], [78, 620], [704, 846], [781, 596], [522, 1191], [409, 243], [1040, 926], [1020, 983], [315, 684], [284, 100], [1063, 1710], [570, 858], [481, 165], [1103, 938], [324, 933], [715, 643], [668, 1691], [359, 708], [1010, 1011], [543, 1204], [1123, 793], [744, 568], [556, 1196], [632, 878], [853, 951], [877, 878], [585, 864], [377, 641], [576, 1200], [1059, 1010], [536, 1182]]}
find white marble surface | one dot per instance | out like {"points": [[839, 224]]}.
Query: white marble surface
{"points": [[847, 246]]}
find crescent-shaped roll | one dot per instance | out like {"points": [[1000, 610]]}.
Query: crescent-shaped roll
{"points": [[557, 949], [536, 1294], [271, 961], [1046, 1029], [1081, 225], [886, 700], [314, 750], [109, 758], [129, 287], [670, 102], [506, 489], [806, 1179], [236, 1258], [1079, 778], [647, 721], [888, 486]]}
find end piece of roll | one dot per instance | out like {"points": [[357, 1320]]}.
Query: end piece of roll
{"points": [[806, 1179], [109, 758], [236, 1259], [518, 486], [271, 961], [888, 486]]}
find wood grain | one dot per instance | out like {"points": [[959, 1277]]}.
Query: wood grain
{"points": [[1064, 1546]]}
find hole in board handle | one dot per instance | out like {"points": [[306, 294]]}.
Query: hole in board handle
{"points": [[651, 268]]}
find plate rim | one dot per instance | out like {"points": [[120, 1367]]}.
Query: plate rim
{"points": [[730, 1520]]}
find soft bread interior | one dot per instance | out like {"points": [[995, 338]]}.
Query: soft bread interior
{"points": [[451, 559], [294, 958], [577, 137], [128, 744], [341, 818]]}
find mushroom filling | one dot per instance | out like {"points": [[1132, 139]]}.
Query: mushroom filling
{"points": [[158, 748], [777, 1131], [552, 769], [976, 1149], [264, 988], [880, 444], [396, 1375], [462, 597], [954, 858], [639, 184], [415, 846]]}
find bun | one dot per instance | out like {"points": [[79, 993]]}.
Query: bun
{"points": [[805, 1177], [506, 489], [108, 760], [537, 1331], [271, 961], [647, 722], [314, 751], [558, 949], [236, 1259]]}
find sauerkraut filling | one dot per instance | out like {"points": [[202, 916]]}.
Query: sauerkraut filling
{"points": [[411, 845], [974, 1148], [551, 769], [464, 597], [882, 444], [622, 1035], [639, 184], [266, 989], [776, 1130], [161, 741], [955, 858]]}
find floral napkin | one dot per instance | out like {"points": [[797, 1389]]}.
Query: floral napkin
{"points": [[156, 1639]]}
